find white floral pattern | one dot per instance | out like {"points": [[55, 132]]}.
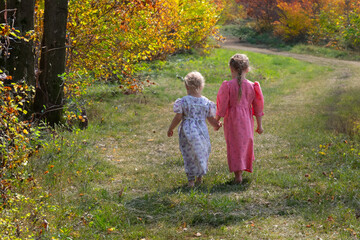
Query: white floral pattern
{"points": [[194, 140]]}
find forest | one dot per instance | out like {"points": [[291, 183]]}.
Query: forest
{"points": [[67, 67]]}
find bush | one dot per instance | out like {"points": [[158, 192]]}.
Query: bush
{"points": [[294, 23], [18, 140], [109, 39]]}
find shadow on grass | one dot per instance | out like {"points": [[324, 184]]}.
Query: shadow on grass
{"points": [[197, 208], [231, 186], [205, 205], [210, 205], [225, 187]]}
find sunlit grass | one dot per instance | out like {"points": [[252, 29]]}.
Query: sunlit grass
{"points": [[123, 178], [326, 52]]}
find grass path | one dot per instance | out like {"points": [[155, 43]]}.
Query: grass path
{"points": [[149, 165], [137, 188]]}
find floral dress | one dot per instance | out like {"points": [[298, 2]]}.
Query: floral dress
{"points": [[194, 140]]}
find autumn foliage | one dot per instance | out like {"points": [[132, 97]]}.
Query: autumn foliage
{"points": [[109, 38], [106, 40], [334, 23], [15, 135], [18, 137], [294, 21], [264, 12]]}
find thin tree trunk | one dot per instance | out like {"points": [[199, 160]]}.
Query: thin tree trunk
{"points": [[20, 63], [50, 88]]}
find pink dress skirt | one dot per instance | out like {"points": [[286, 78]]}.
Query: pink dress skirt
{"points": [[239, 121]]}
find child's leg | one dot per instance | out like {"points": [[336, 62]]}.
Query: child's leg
{"points": [[191, 183], [238, 176], [199, 179], [191, 180]]}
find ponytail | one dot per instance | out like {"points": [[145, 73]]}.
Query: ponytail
{"points": [[239, 62], [239, 80]]}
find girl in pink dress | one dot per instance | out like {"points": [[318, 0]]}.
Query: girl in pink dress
{"points": [[237, 101]]}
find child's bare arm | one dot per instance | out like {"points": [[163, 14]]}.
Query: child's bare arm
{"points": [[215, 123], [259, 129], [176, 120]]}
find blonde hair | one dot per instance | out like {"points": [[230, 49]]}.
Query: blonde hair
{"points": [[195, 80], [239, 63]]}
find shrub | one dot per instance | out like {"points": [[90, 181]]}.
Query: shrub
{"points": [[294, 23], [18, 140], [109, 39]]}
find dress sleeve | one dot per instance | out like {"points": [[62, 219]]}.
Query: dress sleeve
{"points": [[222, 99], [258, 102], [212, 109], [177, 106]]}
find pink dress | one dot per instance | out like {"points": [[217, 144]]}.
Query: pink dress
{"points": [[239, 121]]}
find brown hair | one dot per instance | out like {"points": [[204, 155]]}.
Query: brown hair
{"points": [[239, 63]]}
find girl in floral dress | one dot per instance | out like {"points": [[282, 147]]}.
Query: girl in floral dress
{"points": [[238, 100], [192, 111]]}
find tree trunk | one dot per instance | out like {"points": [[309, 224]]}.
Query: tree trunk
{"points": [[50, 88], [21, 62]]}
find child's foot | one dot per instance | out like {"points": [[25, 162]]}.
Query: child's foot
{"points": [[199, 180], [191, 183], [238, 177], [238, 180]]}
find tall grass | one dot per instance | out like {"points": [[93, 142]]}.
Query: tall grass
{"points": [[123, 178]]}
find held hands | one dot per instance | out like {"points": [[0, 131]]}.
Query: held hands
{"points": [[219, 125]]}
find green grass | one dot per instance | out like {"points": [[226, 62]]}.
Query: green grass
{"points": [[123, 178], [246, 33], [326, 52]]}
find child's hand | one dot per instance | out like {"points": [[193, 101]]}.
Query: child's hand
{"points": [[219, 125], [170, 133], [260, 130]]}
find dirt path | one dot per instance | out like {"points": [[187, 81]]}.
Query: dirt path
{"points": [[346, 74], [236, 44]]}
